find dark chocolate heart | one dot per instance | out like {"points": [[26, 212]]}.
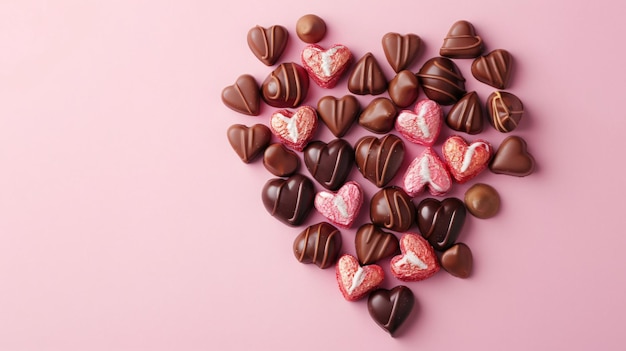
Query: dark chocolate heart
{"points": [[401, 50], [379, 115], [466, 115], [243, 96], [512, 158], [338, 114], [391, 308], [374, 244], [267, 44], [280, 161], [367, 77], [248, 142], [391, 208], [289, 200], [457, 260], [379, 160], [330, 164], [319, 244], [461, 41], [494, 68], [442, 80], [440, 222]]}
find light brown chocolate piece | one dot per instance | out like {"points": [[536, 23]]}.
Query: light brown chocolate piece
{"points": [[482, 200], [401, 50], [403, 88], [458, 260], [310, 28], [379, 116], [367, 77]]}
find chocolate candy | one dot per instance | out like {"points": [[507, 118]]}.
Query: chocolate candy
{"points": [[243, 96], [466, 115], [267, 44], [512, 158], [494, 68], [391, 308], [379, 160], [289, 200], [440, 222], [248, 142], [374, 244], [280, 161], [379, 115], [319, 244], [403, 88], [482, 200], [458, 260], [442, 80], [504, 111], [286, 86], [367, 77], [461, 41], [338, 114], [392, 208], [330, 164], [310, 28], [401, 50]]}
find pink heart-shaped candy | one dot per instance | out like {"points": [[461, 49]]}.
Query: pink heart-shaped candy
{"points": [[325, 67], [427, 170], [355, 281], [294, 129], [423, 124], [465, 161], [342, 207], [417, 261]]}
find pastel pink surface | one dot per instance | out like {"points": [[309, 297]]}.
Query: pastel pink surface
{"points": [[427, 170], [342, 207], [127, 223], [423, 124]]}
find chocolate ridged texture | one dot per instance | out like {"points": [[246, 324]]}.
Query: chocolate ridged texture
{"points": [[319, 244], [442, 80], [401, 50], [379, 115], [482, 200], [330, 164], [289, 200], [461, 41], [338, 114], [248, 142], [367, 77], [494, 68], [504, 111], [440, 222], [391, 208], [458, 260], [512, 158], [286, 86], [466, 115], [403, 88], [373, 244], [379, 160], [243, 96], [391, 308], [268, 44], [310, 28], [280, 161]]}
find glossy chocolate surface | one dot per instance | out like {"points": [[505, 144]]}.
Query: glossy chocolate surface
{"points": [[367, 77], [504, 111], [248, 142], [482, 200], [319, 244], [310, 28], [243, 96], [513, 158], [440, 222], [379, 160], [289, 200], [458, 260], [466, 115], [268, 44], [401, 50], [330, 164], [494, 68], [391, 208], [461, 41], [373, 244], [286, 86], [442, 80], [280, 161], [338, 114], [403, 88], [391, 308], [379, 115]]}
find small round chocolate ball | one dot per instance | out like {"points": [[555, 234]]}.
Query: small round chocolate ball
{"points": [[310, 28], [482, 200]]}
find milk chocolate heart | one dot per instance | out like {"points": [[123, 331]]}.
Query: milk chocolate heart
{"points": [[374, 244], [330, 164], [401, 50], [466, 115], [458, 260], [390, 308], [440, 222], [466, 161], [267, 44], [367, 77], [289, 200], [461, 41], [379, 160], [494, 68], [354, 280], [294, 128], [338, 114], [342, 207], [243, 96], [512, 158], [403, 88], [248, 142], [417, 261], [379, 115], [326, 66], [280, 161]]}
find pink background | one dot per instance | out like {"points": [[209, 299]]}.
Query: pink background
{"points": [[128, 223]]}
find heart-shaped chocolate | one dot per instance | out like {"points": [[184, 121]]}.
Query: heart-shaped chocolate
{"points": [[319, 244], [326, 66], [403, 88], [465, 161], [442, 80], [440, 222], [243, 96], [289, 200], [338, 114], [391, 308], [457, 260], [421, 125], [512, 158], [330, 164], [342, 207], [374, 244], [466, 115], [401, 50], [461, 41], [248, 142], [280, 161], [504, 111], [294, 128], [379, 160], [494, 68], [379, 115], [267, 44], [418, 260], [392, 208], [286, 86], [367, 77], [354, 280]]}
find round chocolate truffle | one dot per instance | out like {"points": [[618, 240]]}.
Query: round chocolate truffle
{"points": [[310, 28], [482, 200]]}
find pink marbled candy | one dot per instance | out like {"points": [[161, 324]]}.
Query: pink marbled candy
{"points": [[340, 208]]}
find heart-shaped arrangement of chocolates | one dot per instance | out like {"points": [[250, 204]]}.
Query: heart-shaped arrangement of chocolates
{"points": [[409, 237]]}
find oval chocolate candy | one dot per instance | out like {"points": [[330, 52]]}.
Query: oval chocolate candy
{"points": [[286, 86], [319, 244], [289, 200]]}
